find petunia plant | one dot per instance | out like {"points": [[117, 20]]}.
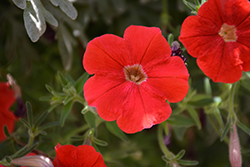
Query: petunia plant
{"points": [[125, 83]]}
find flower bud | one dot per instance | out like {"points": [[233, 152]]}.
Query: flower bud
{"points": [[176, 51], [21, 108], [37, 160], [234, 149]]}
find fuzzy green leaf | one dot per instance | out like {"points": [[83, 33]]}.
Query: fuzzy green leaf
{"points": [[81, 81], [115, 130], [243, 127], [90, 119], [65, 112], [194, 115], [64, 82], [180, 120], [99, 142]]}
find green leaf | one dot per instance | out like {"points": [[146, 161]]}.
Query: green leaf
{"points": [[69, 79], [180, 154], [49, 88], [64, 82], [164, 158], [81, 81], [243, 127], [6, 132], [218, 117], [115, 130], [25, 123], [43, 133], [23, 151], [45, 98], [49, 17], [85, 110], [78, 138], [29, 113], [68, 99], [170, 39], [34, 21], [207, 86], [245, 83], [65, 112], [180, 120], [179, 132], [48, 125], [41, 119], [99, 142], [201, 100], [194, 115], [225, 131], [20, 3], [65, 45], [187, 163], [90, 119], [52, 107], [67, 7], [189, 5]]}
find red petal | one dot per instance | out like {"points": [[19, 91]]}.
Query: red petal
{"points": [[232, 12], [65, 156], [147, 46], [197, 38], [105, 55], [170, 78], [87, 156], [144, 108], [108, 98], [222, 64], [6, 97], [6, 118], [83, 155], [107, 94], [243, 34], [209, 11]]}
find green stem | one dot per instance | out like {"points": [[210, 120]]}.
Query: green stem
{"points": [[231, 102], [31, 139], [74, 132], [216, 128], [163, 147], [80, 99]]}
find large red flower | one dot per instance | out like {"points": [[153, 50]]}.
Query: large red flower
{"points": [[81, 156], [134, 76], [6, 117], [219, 36]]}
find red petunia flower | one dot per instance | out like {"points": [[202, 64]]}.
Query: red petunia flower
{"points": [[6, 117], [219, 36], [134, 76], [81, 156]]}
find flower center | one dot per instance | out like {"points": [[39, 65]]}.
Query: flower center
{"points": [[228, 33], [135, 74]]}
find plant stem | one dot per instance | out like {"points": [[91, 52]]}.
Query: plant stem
{"points": [[163, 147], [31, 139], [80, 99], [231, 102]]}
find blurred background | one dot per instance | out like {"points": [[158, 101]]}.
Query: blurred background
{"points": [[33, 51]]}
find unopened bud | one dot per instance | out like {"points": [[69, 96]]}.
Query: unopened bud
{"points": [[37, 161], [234, 148], [14, 86], [21, 108], [176, 51]]}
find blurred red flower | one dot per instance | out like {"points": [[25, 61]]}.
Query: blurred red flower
{"points": [[219, 36], [134, 76], [6, 117], [83, 155]]}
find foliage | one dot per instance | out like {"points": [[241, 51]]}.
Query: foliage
{"points": [[42, 44]]}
